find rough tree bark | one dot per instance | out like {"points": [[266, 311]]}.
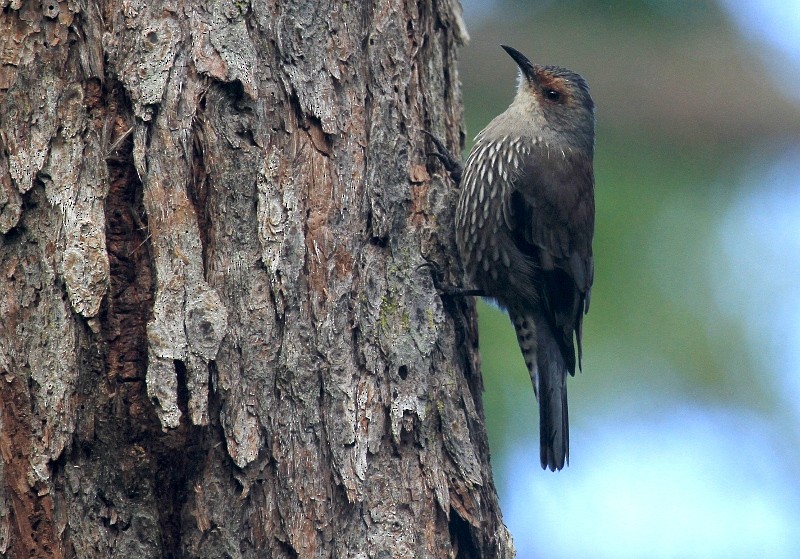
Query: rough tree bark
{"points": [[217, 338]]}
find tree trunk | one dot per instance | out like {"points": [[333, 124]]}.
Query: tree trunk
{"points": [[218, 337]]}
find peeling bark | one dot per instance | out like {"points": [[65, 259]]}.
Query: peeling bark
{"points": [[218, 332]]}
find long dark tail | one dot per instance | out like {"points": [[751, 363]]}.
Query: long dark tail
{"points": [[553, 412], [548, 372]]}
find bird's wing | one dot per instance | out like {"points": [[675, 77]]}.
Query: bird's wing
{"points": [[550, 209]]}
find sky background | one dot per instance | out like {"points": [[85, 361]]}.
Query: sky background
{"points": [[685, 423]]}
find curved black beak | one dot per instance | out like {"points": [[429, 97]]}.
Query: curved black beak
{"points": [[522, 61]]}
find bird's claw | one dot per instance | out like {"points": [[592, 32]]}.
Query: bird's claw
{"points": [[451, 163], [444, 290]]}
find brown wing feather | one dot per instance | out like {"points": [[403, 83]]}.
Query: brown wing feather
{"points": [[553, 210]]}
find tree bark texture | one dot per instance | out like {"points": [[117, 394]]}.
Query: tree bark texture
{"points": [[218, 335]]}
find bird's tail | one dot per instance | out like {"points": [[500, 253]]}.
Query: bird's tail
{"points": [[548, 372]]}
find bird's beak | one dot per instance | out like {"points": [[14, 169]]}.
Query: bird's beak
{"points": [[522, 61]]}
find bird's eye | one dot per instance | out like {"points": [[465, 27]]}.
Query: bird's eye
{"points": [[552, 95]]}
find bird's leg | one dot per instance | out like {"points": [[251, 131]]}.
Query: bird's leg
{"points": [[450, 162], [449, 290]]}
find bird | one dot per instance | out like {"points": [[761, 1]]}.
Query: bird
{"points": [[524, 224]]}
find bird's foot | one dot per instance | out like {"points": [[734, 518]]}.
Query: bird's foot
{"points": [[446, 290], [451, 163]]}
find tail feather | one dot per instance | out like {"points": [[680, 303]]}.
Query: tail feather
{"points": [[548, 371], [553, 411]]}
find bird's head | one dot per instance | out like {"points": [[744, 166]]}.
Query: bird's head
{"points": [[555, 97]]}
